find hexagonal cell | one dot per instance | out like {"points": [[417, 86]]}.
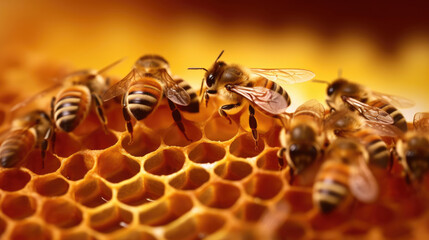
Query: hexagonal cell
{"points": [[61, 213], [76, 236], [166, 162], [265, 122], [114, 116], [269, 161], [76, 167], [90, 124], [35, 163], [257, 186], [51, 186], [219, 195], [212, 127], [13, 179], [110, 219], [197, 227], [143, 143], [135, 235], [174, 137], [291, 229], [206, 153], [160, 119], [300, 200], [233, 170], [99, 139], [244, 146], [141, 191], [192, 179], [30, 231], [65, 144], [92, 193], [116, 167], [166, 211], [18, 206], [250, 212]]}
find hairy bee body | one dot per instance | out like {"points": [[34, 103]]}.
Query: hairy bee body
{"points": [[194, 105], [378, 152], [398, 118], [143, 96], [413, 150]]}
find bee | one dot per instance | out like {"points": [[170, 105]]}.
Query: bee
{"points": [[194, 105], [344, 170], [303, 142], [374, 106], [27, 132], [143, 88], [413, 148], [261, 87]]}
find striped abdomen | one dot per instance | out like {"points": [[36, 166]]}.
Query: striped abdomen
{"points": [[331, 185], [16, 147], [398, 118], [263, 82], [71, 107], [194, 106], [143, 97], [378, 153]]}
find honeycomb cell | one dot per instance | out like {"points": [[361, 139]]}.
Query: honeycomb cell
{"points": [[257, 186], [219, 195], [269, 161], [65, 144], [244, 146], [142, 144], [233, 170], [229, 130], [191, 179], [324, 222], [135, 235], [265, 122], [166, 211], [30, 231], [116, 167], [375, 214], [18, 206], [13, 179], [206, 153], [61, 213], [92, 193], [291, 229], [250, 212], [99, 139], [35, 163], [110, 219], [160, 119], [77, 236], [197, 227], [76, 167], [141, 191], [166, 162], [301, 201], [90, 124], [272, 136], [174, 137], [114, 116], [51, 186]]}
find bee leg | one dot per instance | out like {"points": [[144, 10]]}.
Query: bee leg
{"points": [[253, 124], [280, 154], [177, 118], [53, 124], [45, 143], [127, 118], [228, 107], [100, 112]]}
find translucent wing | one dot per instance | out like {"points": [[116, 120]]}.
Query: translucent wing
{"points": [[33, 98], [421, 121], [268, 100], [311, 107], [385, 130], [362, 183], [173, 91], [120, 87], [396, 101], [371, 113], [284, 76]]}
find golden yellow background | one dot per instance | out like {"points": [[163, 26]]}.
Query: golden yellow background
{"points": [[321, 38]]}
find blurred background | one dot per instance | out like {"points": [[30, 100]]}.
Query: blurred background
{"points": [[382, 45]]}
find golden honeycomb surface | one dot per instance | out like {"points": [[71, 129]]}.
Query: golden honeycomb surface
{"points": [[218, 186]]}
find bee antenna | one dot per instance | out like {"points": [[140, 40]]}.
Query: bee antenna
{"points": [[219, 55], [110, 66], [198, 69], [320, 81]]}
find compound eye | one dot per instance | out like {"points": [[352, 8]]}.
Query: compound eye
{"points": [[210, 80], [331, 90]]}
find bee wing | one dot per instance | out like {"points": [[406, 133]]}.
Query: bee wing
{"points": [[371, 113], [38, 95], [362, 183], [313, 107], [421, 121], [173, 91], [385, 130], [268, 100], [396, 101], [120, 87], [284, 76]]}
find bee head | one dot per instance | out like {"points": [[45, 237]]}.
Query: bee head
{"points": [[151, 61], [417, 156]]}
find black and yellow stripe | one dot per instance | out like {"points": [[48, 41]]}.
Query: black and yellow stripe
{"points": [[143, 97], [379, 155], [16, 146], [263, 82], [194, 105], [398, 118]]}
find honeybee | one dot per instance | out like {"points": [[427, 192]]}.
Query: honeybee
{"points": [[413, 149], [374, 106], [27, 132], [344, 170], [263, 88], [143, 88], [303, 142]]}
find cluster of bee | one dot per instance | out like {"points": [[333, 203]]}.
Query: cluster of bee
{"points": [[348, 137]]}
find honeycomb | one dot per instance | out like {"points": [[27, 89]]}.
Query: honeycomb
{"points": [[218, 186]]}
